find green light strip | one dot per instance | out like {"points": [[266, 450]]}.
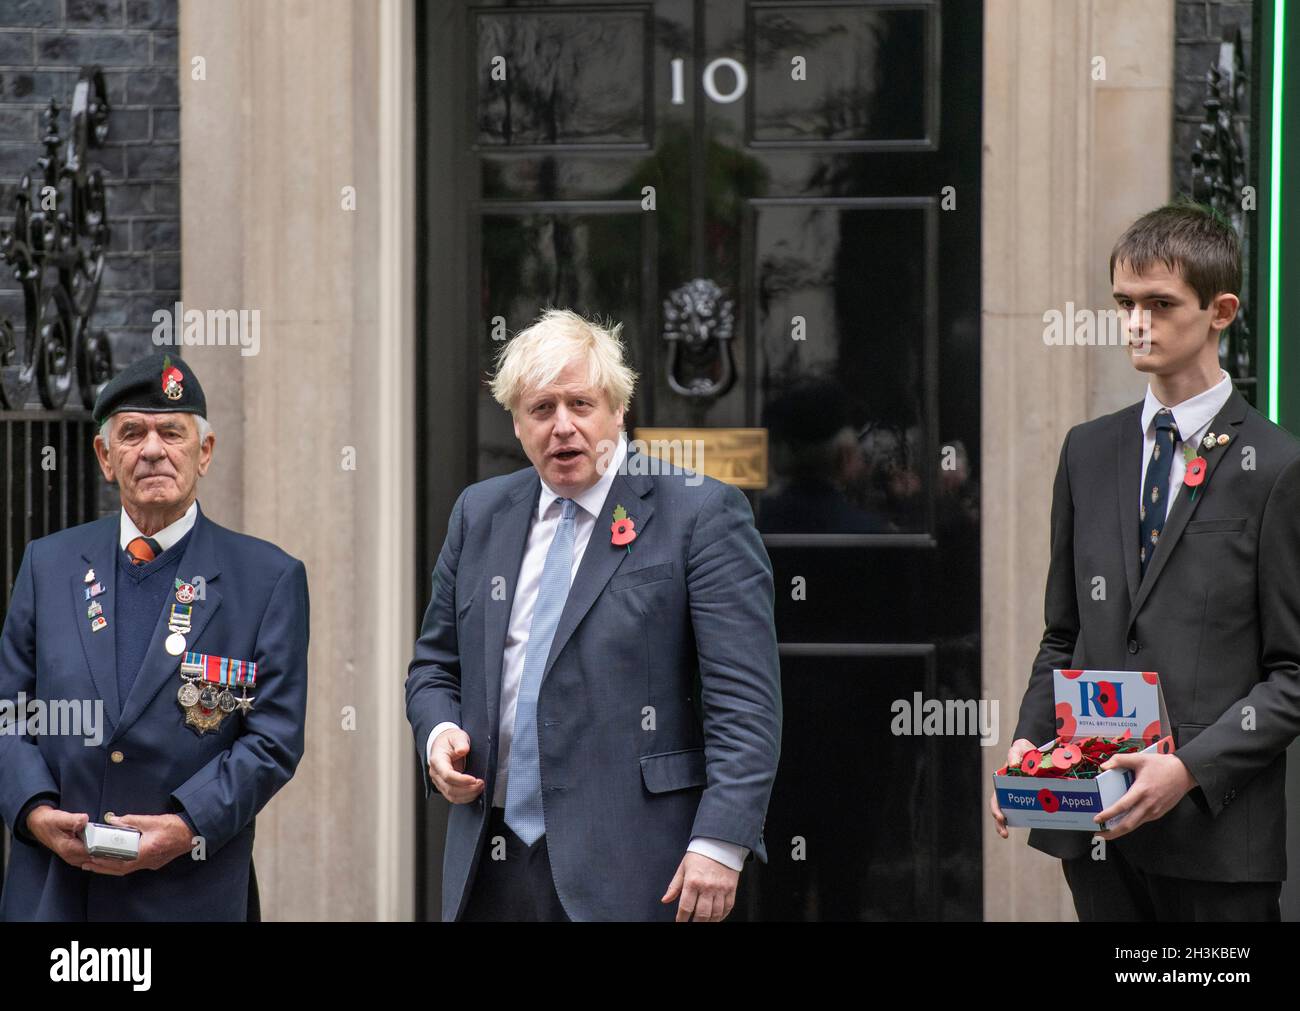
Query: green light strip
{"points": [[1275, 213]]}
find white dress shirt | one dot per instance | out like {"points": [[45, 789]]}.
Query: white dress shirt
{"points": [[167, 536], [1193, 417], [542, 531]]}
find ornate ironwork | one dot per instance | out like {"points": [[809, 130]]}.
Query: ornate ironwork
{"points": [[699, 325], [56, 248], [1219, 178]]}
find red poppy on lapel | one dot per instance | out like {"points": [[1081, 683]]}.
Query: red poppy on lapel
{"points": [[1195, 471], [623, 529]]}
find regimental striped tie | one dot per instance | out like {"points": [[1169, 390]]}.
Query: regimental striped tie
{"points": [[524, 812], [1155, 491], [143, 550]]}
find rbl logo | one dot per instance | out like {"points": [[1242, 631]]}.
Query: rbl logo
{"points": [[1105, 696]]}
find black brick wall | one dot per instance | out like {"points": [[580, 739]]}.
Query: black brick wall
{"points": [[1198, 29], [43, 44]]}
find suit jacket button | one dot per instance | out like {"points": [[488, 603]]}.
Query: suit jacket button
{"points": [[117, 757], [1133, 646]]}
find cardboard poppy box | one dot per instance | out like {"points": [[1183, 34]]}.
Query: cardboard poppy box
{"points": [[1096, 712]]}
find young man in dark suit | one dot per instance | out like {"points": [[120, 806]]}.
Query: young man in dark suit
{"points": [[1200, 565]]}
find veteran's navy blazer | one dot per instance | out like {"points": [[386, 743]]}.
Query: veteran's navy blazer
{"points": [[659, 712], [254, 607]]}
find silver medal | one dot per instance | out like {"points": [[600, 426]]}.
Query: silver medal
{"points": [[226, 700], [188, 695], [175, 644]]}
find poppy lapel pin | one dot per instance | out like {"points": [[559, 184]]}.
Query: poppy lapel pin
{"points": [[623, 529], [1197, 465]]}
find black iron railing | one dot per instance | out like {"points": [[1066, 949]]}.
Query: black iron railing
{"points": [[55, 249], [1221, 173]]}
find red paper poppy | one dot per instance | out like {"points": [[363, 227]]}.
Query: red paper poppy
{"points": [[622, 532], [170, 375], [1125, 736], [1151, 734], [1032, 762], [1195, 472], [1048, 801], [1150, 677], [1071, 674], [1065, 723], [1165, 745], [1099, 747], [1067, 756]]}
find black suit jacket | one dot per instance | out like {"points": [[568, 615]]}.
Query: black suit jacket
{"points": [[1217, 615]]}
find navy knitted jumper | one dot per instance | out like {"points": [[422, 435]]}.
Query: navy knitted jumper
{"points": [[142, 593]]}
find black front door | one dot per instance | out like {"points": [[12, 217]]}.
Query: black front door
{"points": [[805, 176]]}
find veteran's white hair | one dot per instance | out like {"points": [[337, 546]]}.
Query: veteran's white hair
{"points": [[205, 428], [535, 357]]}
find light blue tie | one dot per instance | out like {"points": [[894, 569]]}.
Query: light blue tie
{"points": [[524, 784]]}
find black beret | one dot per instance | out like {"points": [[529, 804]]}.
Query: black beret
{"points": [[157, 384]]}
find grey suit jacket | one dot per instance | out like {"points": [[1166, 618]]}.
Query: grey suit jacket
{"points": [[659, 713], [1217, 615]]}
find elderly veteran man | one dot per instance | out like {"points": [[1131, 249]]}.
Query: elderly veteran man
{"points": [[193, 638], [596, 686]]}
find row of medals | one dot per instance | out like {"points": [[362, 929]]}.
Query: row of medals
{"points": [[204, 707]]}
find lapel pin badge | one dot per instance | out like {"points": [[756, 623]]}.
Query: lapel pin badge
{"points": [[623, 529]]}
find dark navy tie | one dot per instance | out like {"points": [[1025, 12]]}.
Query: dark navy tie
{"points": [[1156, 488]]}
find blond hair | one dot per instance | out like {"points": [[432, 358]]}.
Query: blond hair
{"points": [[535, 357]]}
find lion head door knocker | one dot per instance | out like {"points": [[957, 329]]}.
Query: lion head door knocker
{"points": [[56, 249], [699, 325]]}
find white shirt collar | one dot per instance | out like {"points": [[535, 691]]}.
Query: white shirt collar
{"points": [[1194, 413], [594, 497], [165, 537]]}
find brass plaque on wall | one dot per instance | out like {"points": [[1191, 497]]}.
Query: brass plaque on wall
{"points": [[735, 455]]}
